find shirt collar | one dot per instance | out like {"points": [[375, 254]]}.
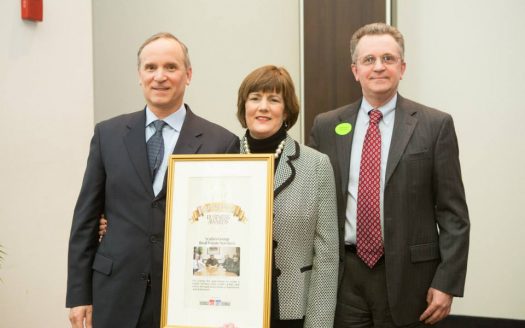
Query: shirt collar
{"points": [[387, 109], [174, 120]]}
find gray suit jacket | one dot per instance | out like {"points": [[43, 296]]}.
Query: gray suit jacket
{"points": [[113, 275], [305, 236], [426, 223]]}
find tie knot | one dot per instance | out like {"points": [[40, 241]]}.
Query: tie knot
{"points": [[375, 116], [158, 124]]}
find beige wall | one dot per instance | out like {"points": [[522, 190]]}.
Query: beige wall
{"points": [[46, 105], [226, 40], [464, 57]]}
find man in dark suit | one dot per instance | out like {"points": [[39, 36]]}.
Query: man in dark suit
{"points": [[118, 282], [212, 261], [403, 218]]}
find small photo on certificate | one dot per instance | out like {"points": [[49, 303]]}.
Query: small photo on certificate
{"points": [[216, 261]]}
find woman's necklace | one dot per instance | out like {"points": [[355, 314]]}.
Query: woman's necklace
{"points": [[278, 151]]}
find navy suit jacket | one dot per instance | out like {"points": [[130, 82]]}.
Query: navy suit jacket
{"points": [[113, 275]]}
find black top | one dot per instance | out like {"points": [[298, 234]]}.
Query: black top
{"points": [[267, 145]]}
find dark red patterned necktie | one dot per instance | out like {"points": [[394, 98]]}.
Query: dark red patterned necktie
{"points": [[369, 241]]}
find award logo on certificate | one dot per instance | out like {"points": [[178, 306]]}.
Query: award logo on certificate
{"points": [[217, 254]]}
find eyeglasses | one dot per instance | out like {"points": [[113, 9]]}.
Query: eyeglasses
{"points": [[386, 59]]}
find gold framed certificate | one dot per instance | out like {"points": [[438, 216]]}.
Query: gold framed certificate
{"points": [[218, 241]]}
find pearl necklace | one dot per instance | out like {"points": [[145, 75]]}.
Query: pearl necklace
{"points": [[278, 151]]}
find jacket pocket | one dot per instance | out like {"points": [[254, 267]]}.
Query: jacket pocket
{"points": [[425, 154], [307, 268], [424, 252], [102, 264]]}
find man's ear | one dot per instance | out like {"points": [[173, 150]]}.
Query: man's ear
{"points": [[403, 68], [189, 73], [354, 71]]}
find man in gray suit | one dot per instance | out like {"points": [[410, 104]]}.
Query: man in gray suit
{"points": [[403, 218], [118, 282]]}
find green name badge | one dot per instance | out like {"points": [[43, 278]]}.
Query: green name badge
{"points": [[343, 128]]}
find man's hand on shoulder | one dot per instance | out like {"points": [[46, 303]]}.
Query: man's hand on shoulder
{"points": [[78, 314], [439, 304]]}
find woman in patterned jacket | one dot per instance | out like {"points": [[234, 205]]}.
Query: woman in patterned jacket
{"points": [[306, 256]]}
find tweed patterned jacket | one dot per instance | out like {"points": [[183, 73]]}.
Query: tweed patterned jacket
{"points": [[305, 235]]}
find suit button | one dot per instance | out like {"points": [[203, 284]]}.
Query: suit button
{"points": [[143, 276], [153, 239], [155, 204]]}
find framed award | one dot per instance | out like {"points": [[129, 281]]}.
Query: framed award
{"points": [[218, 241]]}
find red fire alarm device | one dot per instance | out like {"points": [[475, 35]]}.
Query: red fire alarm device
{"points": [[32, 10]]}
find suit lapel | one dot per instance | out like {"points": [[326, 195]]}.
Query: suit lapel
{"points": [[404, 125], [344, 143], [135, 142], [285, 172], [189, 141]]}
